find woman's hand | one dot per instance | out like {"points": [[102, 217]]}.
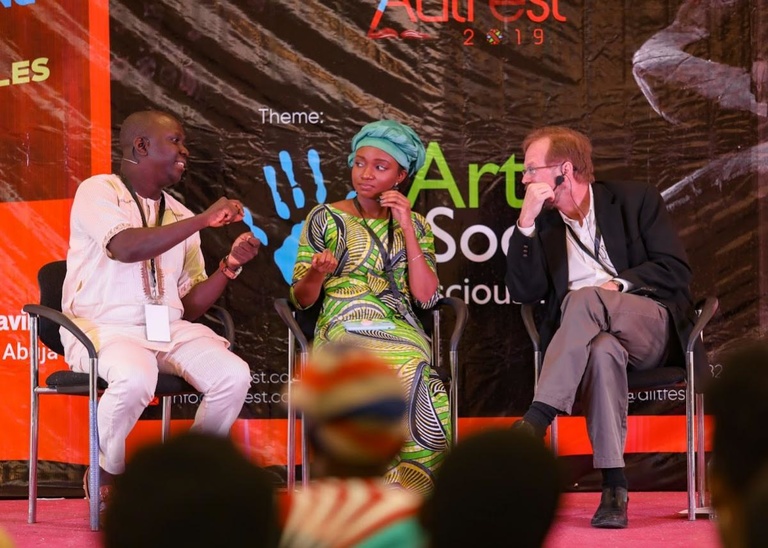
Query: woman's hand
{"points": [[398, 203], [307, 289], [324, 262]]}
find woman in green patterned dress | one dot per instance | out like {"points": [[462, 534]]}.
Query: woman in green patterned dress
{"points": [[373, 259]]}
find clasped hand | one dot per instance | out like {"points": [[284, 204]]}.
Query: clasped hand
{"points": [[536, 195], [324, 262], [223, 212], [244, 248], [398, 203]]}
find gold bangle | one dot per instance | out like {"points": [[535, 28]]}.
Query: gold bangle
{"points": [[416, 257]]}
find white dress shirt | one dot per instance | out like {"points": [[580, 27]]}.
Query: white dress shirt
{"points": [[583, 270]]}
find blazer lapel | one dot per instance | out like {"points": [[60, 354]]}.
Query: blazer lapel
{"points": [[609, 221]]}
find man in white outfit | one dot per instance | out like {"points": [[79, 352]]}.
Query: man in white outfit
{"points": [[135, 280]]}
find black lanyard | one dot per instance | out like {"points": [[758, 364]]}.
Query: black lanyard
{"points": [[389, 268], [596, 254], [159, 221], [386, 254]]}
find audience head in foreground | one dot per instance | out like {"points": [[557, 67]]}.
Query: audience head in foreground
{"points": [[354, 405], [496, 488], [755, 512], [738, 401], [196, 490]]}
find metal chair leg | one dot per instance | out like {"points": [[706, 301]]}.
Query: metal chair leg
{"points": [[94, 478], [696, 456], [701, 480], [165, 418], [553, 437], [690, 432], [290, 471], [453, 398], [305, 465], [34, 430], [701, 457]]}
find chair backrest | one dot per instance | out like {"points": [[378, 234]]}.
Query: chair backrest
{"points": [[307, 318], [50, 279]]}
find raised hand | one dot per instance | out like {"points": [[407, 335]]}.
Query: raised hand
{"points": [[399, 204], [324, 262], [244, 248], [223, 212], [536, 195]]}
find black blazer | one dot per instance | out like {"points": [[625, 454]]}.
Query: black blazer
{"points": [[641, 241]]}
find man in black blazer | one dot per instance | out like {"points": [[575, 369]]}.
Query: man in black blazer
{"points": [[613, 275]]}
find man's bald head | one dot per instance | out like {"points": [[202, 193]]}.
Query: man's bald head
{"points": [[140, 124]]}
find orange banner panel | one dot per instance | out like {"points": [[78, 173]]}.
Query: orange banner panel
{"points": [[45, 122], [54, 128], [264, 440], [40, 234]]}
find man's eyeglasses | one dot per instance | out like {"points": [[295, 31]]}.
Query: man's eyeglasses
{"points": [[531, 170]]}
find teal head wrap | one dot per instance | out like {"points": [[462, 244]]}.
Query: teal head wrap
{"points": [[394, 138]]}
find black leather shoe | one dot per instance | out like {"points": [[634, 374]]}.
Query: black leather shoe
{"points": [[612, 512]]}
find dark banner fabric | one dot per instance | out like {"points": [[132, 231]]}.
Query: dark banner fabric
{"points": [[271, 92]]}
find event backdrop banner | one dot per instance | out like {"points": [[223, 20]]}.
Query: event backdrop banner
{"points": [[271, 92]]}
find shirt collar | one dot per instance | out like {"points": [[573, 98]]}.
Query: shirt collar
{"points": [[589, 217]]}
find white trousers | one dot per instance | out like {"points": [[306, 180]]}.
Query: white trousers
{"points": [[131, 371]]}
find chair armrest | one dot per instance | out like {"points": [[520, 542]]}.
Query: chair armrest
{"points": [[461, 313], [285, 311], [707, 308], [60, 319], [526, 311], [222, 316]]}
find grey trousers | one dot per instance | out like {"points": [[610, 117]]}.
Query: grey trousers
{"points": [[601, 334]]}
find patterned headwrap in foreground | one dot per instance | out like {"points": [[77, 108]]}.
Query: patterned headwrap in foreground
{"points": [[394, 138], [354, 405]]}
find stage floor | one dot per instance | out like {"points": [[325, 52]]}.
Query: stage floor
{"points": [[653, 521]]}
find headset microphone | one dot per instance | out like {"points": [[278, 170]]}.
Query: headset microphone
{"points": [[559, 180]]}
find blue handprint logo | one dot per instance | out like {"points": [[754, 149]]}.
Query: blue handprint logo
{"points": [[285, 256]]}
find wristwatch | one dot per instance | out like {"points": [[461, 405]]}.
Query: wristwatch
{"points": [[618, 284], [227, 271]]}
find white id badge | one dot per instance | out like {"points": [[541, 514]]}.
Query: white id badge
{"points": [[158, 322]]}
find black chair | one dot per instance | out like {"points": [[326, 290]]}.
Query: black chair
{"points": [[660, 377], [45, 319], [301, 331]]}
